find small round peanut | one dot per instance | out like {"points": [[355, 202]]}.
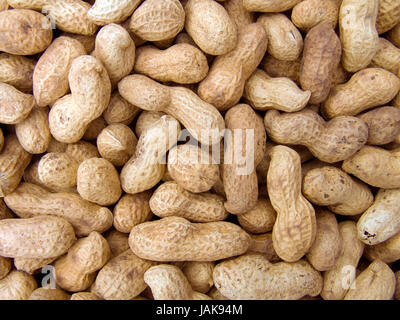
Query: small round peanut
{"points": [[31, 265], [145, 120], [111, 11], [17, 71], [84, 296], [119, 110], [17, 285], [199, 275], [94, 128], [49, 294], [260, 219], [118, 241]]}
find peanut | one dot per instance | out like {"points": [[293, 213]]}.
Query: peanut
{"points": [[17, 286], [111, 11], [238, 13], [145, 120], [269, 5], [387, 57], [17, 71], [5, 267], [260, 219], [119, 110], [199, 275], [117, 241], [31, 265], [282, 69], [49, 294], [15, 105], [84, 296], [387, 251], [388, 15], [262, 243], [94, 128]]}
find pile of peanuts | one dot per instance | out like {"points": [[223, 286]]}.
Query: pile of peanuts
{"points": [[199, 149]]}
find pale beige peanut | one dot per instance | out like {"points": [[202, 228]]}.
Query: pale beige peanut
{"points": [[131, 210], [264, 92], [5, 267], [17, 71], [118, 241], [210, 26], [37, 237], [357, 23], [24, 32], [380, 221], [119, 110], [168, 282], [192, 168], [294, 212], [284, 39], [387, 251], [33, 133], [13, 162], [309, 13], [245, 277], [388, 15], [269, 5], [122, 277], [387, 56], [339, 279], [260, 219], [331, 141], [17, 285], [180, 63], [332, 187], [366, 89], [84, 296], [117, 143], [58, 171], [94, 128], [383, 124], [71, 16], [375, 166], [90, 95], [76, 271], [27, 4], [199, 275], [81, 151], [56, 146], [146, 168], [116, 50], [88, 41], [224, 84], [50, 77], [377, 282], [238, 13], [327, 246], [98, 182], [15, 105], [111, 11], [156, 20], [30, 200], [170, 199], [177, 239], [201, 119], [145, 120], [49, 294], [281, 69], [32, 265]]}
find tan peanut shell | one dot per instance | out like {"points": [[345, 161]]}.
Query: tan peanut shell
{"points": [[243, 152], [15, 105], [84, 296], [264, 92], [210, 26], [24, 32], [224, 84], [156, 20], [37, 237], [117, 241], [32, 265], [331, 141], [357, 23], [262, 243], [387, 56], [380, 221], [294, 212], [50, 77], [13, 162], [146, 168], [388, 15], [238, 13], [377, 282], [387, 251], [94, 128], [131, 210], [309, 13], [81, 151], [49, 294], [88, 41], [269, 5], [17, 71], [111, 11], [5, 267], [244, 278], [321, 58], [260, 219], [180, 63], [90, 95], [116, 50], [192, 168], [17, 285], [284, 40], [177, 239], [119, 110], [339, 279], [201, 119], [394, 35], [145, 120], [330, 186], [117, 143], [122, 277], [168, 282], [170, 199], [71, 16], [27, 4], [76, 271], [375, 166], [327, 246], [199, 275], [30, 200], [33, 133], [366, 89], [383, 124]]}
